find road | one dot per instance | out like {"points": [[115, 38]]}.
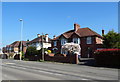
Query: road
{"points": [[31, 70]]}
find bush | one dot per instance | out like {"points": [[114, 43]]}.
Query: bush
{"points": [[49, 51], [17, 56], [107, 57], [11, 55], [32, 53]]}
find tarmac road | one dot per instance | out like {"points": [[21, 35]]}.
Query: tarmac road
{"points": [[30, 70]]}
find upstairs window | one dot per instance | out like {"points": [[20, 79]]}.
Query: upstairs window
{"points": [[89, 40], [37, 44], [55, 43], [63, 41], [76, 40]]}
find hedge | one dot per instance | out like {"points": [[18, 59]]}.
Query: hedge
{"points": [[107, 57]]}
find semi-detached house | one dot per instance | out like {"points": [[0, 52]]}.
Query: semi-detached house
{"points": [[41, 41], [88, 39], [14, 48]]}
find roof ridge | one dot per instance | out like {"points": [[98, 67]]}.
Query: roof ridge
{"points": [[77, 33], [93, 31]]}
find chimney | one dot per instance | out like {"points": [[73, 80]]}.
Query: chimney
{"points": [[54, 36], [46, 37], [38, 35], [102, 32], [76, 26]]}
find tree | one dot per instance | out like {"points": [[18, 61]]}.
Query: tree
{"points": [[72, 48], [32, 51], [111, 40]]}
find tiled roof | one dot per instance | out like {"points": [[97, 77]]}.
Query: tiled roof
{"points": [[86, 32], [17, 43], [56, 38], [39, 39], [8, 45], [24, 43], [81, 32]]}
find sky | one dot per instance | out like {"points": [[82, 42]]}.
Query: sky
{"points": [[55, 18]]}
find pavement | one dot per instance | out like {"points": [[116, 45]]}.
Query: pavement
{"points": [[29, 70]]}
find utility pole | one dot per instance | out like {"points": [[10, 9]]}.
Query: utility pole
{"points": [[42, 47], [21, 20]]}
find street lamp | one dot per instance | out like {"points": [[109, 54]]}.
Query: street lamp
{"points": [[42, 47], [21, 20]]}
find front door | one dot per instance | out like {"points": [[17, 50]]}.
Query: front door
{"points": [[89, 54]]}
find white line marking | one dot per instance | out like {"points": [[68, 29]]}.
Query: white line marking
{"points": [[50, 73], [9, 63], [85, 79]]}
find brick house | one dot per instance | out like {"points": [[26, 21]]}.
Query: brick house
{"points": [[41, 41], [87, 38], [15, 47]]}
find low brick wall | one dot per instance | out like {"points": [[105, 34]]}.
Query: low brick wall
{"points": [[34, 57], [64, 59], [55, 58]]}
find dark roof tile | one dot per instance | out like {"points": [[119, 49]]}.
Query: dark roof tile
{"points": [[81, 32]]}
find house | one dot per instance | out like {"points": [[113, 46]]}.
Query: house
{"points": [[15, 47], [1, 51], [4, 50], [88, 39], [42, 41]]}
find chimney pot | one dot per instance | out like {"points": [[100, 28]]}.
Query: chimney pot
{"points": [[54, 36], [38, 35], [102, 32], [76, 26], [46, 37]]}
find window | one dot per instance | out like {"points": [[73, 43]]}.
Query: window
{"points": [[7, 48], [89, 40], [10, 48], [37, 44], [55, 43], [63, 41], [76, 40], [64, 52]]}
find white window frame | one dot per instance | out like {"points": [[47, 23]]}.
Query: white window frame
{"points": [[55, 43], [37, 44], [76, 40], [63, 41], [7, 48], [64, 52], [89, 40]]}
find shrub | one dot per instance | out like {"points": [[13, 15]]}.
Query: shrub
{"points": [[11, 55], [49, 51], [32, 53]]}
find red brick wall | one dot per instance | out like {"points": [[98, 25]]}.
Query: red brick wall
{"points": [[68, 59], [84, 46]]}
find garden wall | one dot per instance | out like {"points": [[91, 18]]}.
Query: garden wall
{"points": [[55, 58], [64, 59]]}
